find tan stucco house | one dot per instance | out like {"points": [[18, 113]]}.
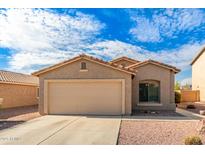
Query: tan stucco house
{"points": [[87, 85], [18, 89], [198, 74]]}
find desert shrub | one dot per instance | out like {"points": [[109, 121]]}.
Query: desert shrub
{"points": [[177, 97], [193, 140], [190, 106]]}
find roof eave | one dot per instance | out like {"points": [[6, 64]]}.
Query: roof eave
{"points": [[73, 60], [19, 83], [175, 70], [124, 58], [197, 56], [195, 59]]}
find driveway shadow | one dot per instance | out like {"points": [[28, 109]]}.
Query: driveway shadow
{"points": [[7, 124]]}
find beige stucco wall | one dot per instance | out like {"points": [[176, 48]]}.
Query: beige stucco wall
{"points": [[95, 71], [198, 76], [124, 62], [166, 79], [15, 95]]}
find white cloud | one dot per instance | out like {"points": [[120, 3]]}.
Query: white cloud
{"points": [[173, 21], [114, 48], [188, 19], [145, 31], [42, 37], [180, 57], [167, 23], [186, 81]]}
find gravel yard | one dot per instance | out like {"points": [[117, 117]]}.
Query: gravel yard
{"points": [[15, 116], [18, 112], [157, 132]]}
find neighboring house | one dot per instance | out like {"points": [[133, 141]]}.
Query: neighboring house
{"points": [[87, 85], [198, 74], [18, 89]]}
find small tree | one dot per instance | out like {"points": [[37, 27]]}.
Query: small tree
{"points": [[177, 86]]}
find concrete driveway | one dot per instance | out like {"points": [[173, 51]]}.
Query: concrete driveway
{"points": [[52, 129]]}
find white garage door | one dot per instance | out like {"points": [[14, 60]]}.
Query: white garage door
{"points": [[99, 97]]}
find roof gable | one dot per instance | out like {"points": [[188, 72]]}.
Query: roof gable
{"points": [[125, 59], [89, 58], [198, 55], [176, 70]]}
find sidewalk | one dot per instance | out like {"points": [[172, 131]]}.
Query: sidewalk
{"points": [[184, 116], [190, 114]]}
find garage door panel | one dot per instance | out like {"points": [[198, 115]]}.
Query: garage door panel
{"points": [[57, 99], [93, 97]]}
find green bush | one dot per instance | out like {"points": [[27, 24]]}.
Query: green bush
{"points": [[177, 97], [193, 140]]}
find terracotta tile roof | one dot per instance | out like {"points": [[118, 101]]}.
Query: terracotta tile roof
{"points": [[124, 58], [83, 56], [17, 78], [176, 70], [198, 55]]}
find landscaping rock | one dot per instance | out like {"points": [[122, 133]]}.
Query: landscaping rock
{"points": [[151, 132], [190, 106]]}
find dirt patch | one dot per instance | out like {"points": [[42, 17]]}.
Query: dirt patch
{"points": [[13, 112], [15, 116], [157, 132], [8, 124]]}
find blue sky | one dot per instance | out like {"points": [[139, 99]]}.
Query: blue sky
{"points": [[31, 39]]}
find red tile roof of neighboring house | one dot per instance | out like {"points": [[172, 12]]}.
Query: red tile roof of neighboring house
{"points": [[83, 56], [17, 78], [176, 70], [198, 55]]}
